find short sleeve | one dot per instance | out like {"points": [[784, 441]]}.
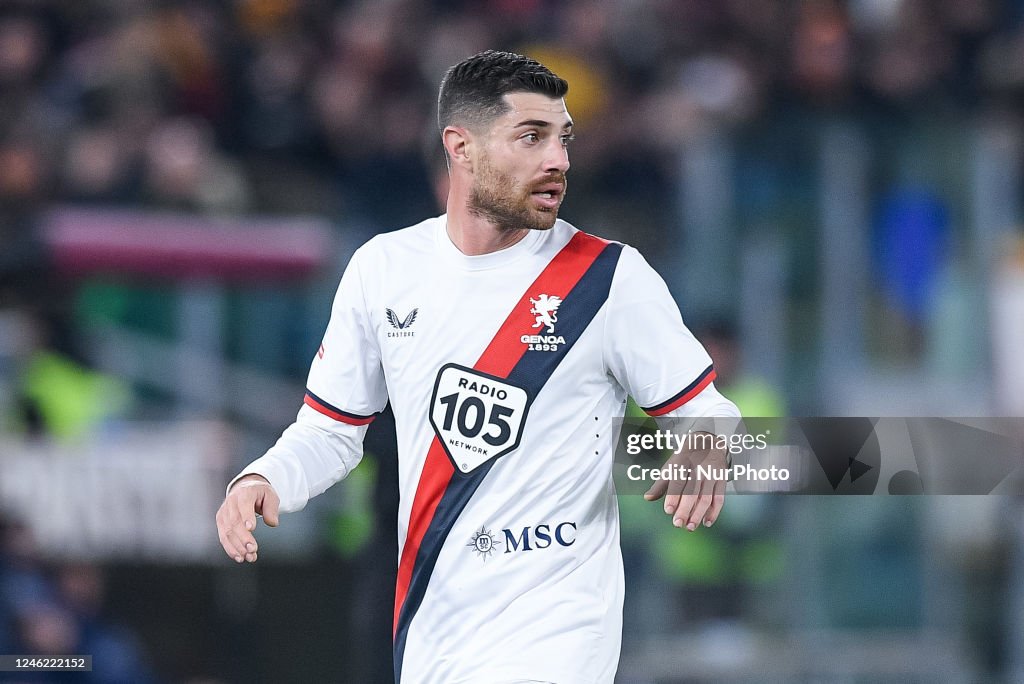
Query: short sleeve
{"points": [[346, 379], [648, 349]]}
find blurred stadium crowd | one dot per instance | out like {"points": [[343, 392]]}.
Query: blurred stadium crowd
{"points": [[311, 105], [285, 107]]}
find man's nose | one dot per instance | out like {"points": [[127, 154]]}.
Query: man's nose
{"points": [[558, 158]]}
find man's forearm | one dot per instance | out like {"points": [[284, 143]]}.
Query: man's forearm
{"points": [[311, 455]]}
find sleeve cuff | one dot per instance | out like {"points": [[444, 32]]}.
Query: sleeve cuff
{"points": [[684, 395], [289, 501]]}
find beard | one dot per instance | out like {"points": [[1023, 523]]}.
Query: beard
{"points": [[499, 199]]}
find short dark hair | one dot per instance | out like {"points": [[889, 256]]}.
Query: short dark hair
{"points": [[472, 90]]}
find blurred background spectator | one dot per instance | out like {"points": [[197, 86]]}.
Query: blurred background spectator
{"points": [[839, 180]]}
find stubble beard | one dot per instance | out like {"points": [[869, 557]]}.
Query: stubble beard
{"points": [[497, 198]]}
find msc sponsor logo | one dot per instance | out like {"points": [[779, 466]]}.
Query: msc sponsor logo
{"points": [[483, 543], [486, 543], [539, 537]]}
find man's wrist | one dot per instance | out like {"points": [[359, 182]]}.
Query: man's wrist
{"points": [[255, 478]]}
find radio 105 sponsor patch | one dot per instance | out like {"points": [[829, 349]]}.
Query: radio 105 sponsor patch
{"points": [[476, 416]]}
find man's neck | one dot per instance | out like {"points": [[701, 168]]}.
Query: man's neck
{"points": [[474, 235]]}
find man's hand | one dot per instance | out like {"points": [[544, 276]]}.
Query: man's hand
{"points": [[236, 518], [690, 499]]}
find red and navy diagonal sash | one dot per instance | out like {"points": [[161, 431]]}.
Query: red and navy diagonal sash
{"points": [[581, 274]]}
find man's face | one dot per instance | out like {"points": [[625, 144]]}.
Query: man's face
{"points": [[519, 175]]}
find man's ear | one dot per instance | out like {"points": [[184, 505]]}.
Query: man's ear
{"points": [[458, 143]]}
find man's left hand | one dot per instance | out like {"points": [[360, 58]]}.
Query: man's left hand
{"points": [[690, 499]]}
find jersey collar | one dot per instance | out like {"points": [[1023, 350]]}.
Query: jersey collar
{"points": [[527, 245]]}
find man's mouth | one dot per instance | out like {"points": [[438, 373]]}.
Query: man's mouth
{"points": [[549, 189], [550, 194], [548, 197]]}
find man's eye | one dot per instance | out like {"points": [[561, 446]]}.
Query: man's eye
{"points": [[531, 137], [566, 139]]}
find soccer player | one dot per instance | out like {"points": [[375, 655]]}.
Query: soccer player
{"points": [[506, 340]]}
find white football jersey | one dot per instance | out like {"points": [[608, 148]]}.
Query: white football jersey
{"points": [[504, 371]]}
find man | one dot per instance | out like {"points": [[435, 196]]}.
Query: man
{"points": [[506, 340]]}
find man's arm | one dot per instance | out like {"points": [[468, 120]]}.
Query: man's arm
{"points": [[653, 355], [344, 392], [314, 453], [696, 500]]}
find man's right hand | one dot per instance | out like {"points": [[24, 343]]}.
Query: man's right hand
{"points": [[236, 518]]}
